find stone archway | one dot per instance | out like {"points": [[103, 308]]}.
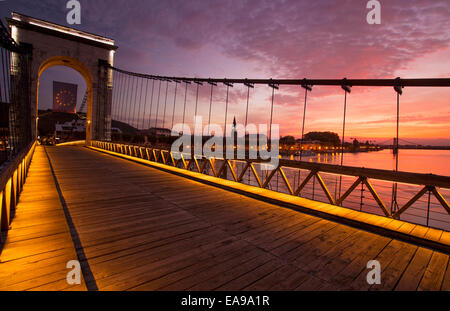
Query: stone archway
{"points": [[52, 45], [82, 70]]}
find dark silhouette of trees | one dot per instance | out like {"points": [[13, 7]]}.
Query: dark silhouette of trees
{"points": [[287, 140], [324, 137]]}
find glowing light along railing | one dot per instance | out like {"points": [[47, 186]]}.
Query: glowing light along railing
{"points": [[12, 178], [429, 182]]}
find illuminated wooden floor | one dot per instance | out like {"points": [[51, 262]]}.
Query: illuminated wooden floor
{"points": [[39, 244], [143, 229]]}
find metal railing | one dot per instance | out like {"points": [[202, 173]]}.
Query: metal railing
{"points": [[289, 172]]}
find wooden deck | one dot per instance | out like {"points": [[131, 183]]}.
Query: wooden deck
{"points": [[143, 229], [39, 243]]}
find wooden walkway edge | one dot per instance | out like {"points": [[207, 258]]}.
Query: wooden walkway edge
{"points": [[39, 243]]}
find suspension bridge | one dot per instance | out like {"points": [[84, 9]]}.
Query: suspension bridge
{"points": [[137, 215]]}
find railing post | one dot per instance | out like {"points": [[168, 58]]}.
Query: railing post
{"points": [[6, 206]]}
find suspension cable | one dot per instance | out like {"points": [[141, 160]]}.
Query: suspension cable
{"points": [[226, 108], [128, 101], [151, 105], [157, 103], [145, 103], [426, 82], [347, 89], [120, 97], [307, 88], [131, 101], [210, 104], [185, 100], [140, 102], [273, 86], [398, 89], [249, 85], [196, 96], [174, 101], [115, 92], [134, 103], [165, 105], [125, 100]]}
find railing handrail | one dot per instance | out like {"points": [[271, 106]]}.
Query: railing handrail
{"points": [[7, 169], [379, 174]]}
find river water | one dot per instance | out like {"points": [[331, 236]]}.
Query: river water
{"points": [[410, 160]]}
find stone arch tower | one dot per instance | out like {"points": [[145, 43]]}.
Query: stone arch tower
{"points": [[52, 45]]}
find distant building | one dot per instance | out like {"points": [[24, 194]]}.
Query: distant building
{"points": [[71, 126], [315, 145], [69, 130]]}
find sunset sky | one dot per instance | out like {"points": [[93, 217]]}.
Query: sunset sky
{"points": [[281, 39]]}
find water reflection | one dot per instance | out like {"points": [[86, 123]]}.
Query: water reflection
{"points": [[415, 161]]}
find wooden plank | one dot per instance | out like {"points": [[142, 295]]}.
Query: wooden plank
{"points": [[221, 255], [393, 271], [446, 282], [316, 247], [204, 276], [435, 272], [414, 272], [340, 256], [344, 278]]}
